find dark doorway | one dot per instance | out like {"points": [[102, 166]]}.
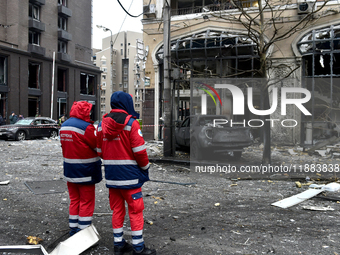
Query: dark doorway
{"points": [[33, 106]]}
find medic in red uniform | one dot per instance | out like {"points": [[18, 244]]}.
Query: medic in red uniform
{"points": [[122, 148], [82, 166]]}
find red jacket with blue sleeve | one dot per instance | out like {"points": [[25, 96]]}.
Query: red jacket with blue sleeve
{"points": [[122, 147], [79, 142]]}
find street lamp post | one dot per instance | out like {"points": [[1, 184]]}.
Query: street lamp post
{"points": [[111, 42]]}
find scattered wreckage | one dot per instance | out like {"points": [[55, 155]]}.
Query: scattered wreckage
{"points": [[74, 245], [314, 189]]}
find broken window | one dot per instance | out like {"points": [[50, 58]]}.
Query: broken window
{"points": [[62, 46], [34, 37], [34, 75], [87, 84], [214, 53], [62, 2], [34, 11], [62, 22], [321, 70], [62, 80], [3, 71]]}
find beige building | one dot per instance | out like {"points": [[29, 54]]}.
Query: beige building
{"points": [[209, 46], [122, 71]]}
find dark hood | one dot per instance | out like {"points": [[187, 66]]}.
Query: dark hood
{"points": [[81, 110], [123, 101]]}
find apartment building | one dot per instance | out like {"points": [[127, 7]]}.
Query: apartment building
{"points": [[45, 57], [118, 74], [209, 45]]}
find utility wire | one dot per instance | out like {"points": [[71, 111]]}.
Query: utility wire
{"points": [[127, 11], [123, 20]]}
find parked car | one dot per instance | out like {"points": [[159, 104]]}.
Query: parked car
{"points": [[28, 128], [198, 133]]}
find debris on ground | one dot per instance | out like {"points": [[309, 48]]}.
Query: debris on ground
{"points": [[74, 245], [307, 194], [34, 240], [317, 208], [4, 182]]}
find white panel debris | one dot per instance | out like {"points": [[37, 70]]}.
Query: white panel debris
{"points": [[74, 245], [296, 199]]}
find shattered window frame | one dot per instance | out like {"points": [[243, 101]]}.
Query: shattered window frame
{"points": [[214, 54], [320, 50], [62, 79], [87, 84], [34, 75]]}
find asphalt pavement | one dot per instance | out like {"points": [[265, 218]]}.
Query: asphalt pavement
{"points": [[186, 211]]}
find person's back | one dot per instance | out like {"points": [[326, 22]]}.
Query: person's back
{"points": [[82, 166], [122, 148]]}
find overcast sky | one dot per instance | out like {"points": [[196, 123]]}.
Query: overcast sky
{"points": [[108, 13]]}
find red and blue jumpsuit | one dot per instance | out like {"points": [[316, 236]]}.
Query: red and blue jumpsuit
{"points": [[82, 166], [122, 148]]}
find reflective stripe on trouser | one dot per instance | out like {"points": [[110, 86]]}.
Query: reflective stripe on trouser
{"points": [[137, 240], [82, 203], [135, 207], [118, 239], [73, 221]]}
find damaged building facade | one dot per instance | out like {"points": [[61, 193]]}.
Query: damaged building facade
{"points": [[31, 33], [208, 47]]}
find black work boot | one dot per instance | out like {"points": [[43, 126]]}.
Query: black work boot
{"points": [[145, 251], [120, 250]]}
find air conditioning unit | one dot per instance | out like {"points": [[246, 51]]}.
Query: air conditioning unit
{"points": [[149, 10], [305, 7]]}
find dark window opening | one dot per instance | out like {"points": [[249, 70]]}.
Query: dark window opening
{"points": [[3, 103], [3, 71], [322, 64], [87, 84], [62, 23], [34, 76], [33, 106], [34, 37], [34, 11], [62, 2], [62, 46], [62, 80]]}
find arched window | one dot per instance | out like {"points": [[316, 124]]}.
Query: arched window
{"points": [[320, 50], [214, 54]]}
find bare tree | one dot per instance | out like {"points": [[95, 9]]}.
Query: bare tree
{"points": [[265, 23]]}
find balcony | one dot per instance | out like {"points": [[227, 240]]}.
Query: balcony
{"points": [[36, 25], [38, 2], [64, 11], [64, 57], [64, 35], [214, 7], [36, 49]]}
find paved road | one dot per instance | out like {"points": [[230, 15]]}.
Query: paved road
{"points": [[216, 215]]}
